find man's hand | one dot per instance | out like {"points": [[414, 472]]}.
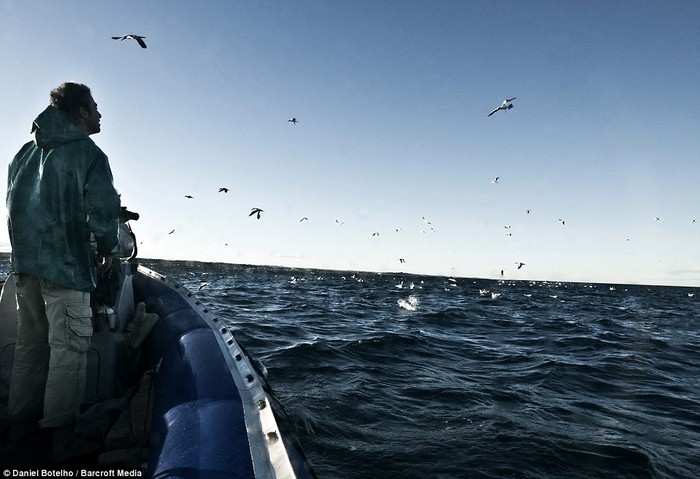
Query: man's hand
{"points": [[104, 263]]}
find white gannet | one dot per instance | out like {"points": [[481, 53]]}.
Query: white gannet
{"points": [[505, 106], [138, 38]]}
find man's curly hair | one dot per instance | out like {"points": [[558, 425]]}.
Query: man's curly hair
{"points": [[68, 97]]}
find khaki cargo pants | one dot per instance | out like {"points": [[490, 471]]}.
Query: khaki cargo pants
{"points": [[53, 335]]}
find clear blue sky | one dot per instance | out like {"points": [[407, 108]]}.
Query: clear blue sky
{"points": [[392, 100]]}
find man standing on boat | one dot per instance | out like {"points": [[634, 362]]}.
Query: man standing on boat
{"points": [[59, 196]]}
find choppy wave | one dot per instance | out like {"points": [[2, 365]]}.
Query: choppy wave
{"points": [[541, 380]]}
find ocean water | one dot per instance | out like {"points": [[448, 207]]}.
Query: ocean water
{"points": [[545, 380], [401, 376]]}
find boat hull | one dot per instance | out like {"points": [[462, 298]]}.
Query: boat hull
{"points": [[210, 412]]}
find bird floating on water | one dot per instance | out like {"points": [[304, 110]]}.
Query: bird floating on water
{"points": [[505, 106], [130, 36], [256, 211], [292, 120]]}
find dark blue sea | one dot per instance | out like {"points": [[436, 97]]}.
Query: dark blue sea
{"points": [[470, 378]]}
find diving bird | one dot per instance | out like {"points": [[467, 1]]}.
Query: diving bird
{"points": [[254, 211], [138, 38], [505, 106], [293, 121], [223, 190]]}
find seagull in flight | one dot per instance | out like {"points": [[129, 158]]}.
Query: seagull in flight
{"points": [[304, 219], [254, 211], [292, 120], [505, 106], [138, 38], [223, 190], [495, 180], [189, 197], [520, 264]]}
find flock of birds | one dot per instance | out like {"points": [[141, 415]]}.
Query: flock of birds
{"points": [[256, 212]]}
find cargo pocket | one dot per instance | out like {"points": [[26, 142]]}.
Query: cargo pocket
{"points": [[78, 327]]}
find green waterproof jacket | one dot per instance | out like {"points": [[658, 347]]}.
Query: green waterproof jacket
{"points": [[59, 191]]}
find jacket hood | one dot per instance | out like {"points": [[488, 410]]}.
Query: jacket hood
{"points": [[52, 128]]}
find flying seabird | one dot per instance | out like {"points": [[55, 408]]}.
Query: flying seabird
{"points": [[401, 260], [292, 120], [375, 234], [223, 190], [563, 222], [254, 211], [138, 38], [173, 231], [505, 106], [304, 219], [527, 211], [520, 264], [495, 180], [189, 196], [340, 223]]}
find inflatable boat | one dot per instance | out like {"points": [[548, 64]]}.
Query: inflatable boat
{"points": [[170, 392]]}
